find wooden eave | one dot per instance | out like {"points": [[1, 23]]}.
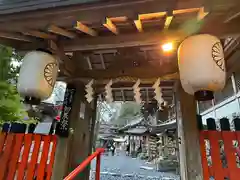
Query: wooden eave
{"points": [[119, 40]]}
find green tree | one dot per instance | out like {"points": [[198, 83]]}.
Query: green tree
{"points": [[10, 101]]}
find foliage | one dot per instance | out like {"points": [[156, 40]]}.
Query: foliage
{"points": [[10, 102], [10, 105]]}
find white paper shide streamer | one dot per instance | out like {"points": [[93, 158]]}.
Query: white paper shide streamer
{"points": [[89, 90], [137, 93], [108, 91], [158, 92]]}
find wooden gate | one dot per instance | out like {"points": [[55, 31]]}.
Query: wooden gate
{"points": [[220, 149], [26, 156]]}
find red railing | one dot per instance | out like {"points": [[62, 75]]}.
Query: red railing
{"points": [[87, 161]]}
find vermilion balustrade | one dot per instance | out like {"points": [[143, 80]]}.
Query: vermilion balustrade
{"points": [[220, 149], [83, 165]]}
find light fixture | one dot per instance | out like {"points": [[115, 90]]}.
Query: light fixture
{"points": [[167, 47]]}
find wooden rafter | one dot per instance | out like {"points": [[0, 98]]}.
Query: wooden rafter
{"points": [[83, 28], [123, 95], [234, 13], [89, 62], [110, 26], [148, 16], [183, 11], [102, 61], [168, 21], [39, 34], [60, 31], [138, 25], [147, 95], [202, 13], [15, 36]]}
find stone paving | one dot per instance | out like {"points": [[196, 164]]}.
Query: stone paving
{"points": [[121, 167]]}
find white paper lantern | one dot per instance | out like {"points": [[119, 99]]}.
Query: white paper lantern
{"points": [[201, 64], [37, 75]]}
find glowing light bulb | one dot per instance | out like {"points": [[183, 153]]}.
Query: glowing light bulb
{"points": [[167, 47]]}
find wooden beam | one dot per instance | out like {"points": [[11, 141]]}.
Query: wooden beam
{"points": [[149, 71], [121, 80], [61, 31], [110, 26], [15, 36], [83, 28], [66, 66], [148, 86], [123, 41], [127, 85], [140, 39], [39, 34], [190, 150]]}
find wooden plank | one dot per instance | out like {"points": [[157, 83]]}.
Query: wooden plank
{"points": [[25, 155], [41, 173], [4, 158], [34, 157], [52, 157], [15, 156], [205, 167]]}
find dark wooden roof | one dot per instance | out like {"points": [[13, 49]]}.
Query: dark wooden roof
{"points": [[16, 6], [163, 127]]}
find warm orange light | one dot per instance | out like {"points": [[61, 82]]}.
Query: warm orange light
{"points": [[167, 47]]}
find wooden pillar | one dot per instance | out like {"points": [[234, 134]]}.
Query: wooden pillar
{"points": [[190, 154], [83, 127], [72, 150], [62, 156]]}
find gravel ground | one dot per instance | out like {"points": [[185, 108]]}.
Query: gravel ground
{"points": [[121, 167]]}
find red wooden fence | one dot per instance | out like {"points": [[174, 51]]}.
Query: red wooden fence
{"points": [[220, 149], [26, 156]]}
